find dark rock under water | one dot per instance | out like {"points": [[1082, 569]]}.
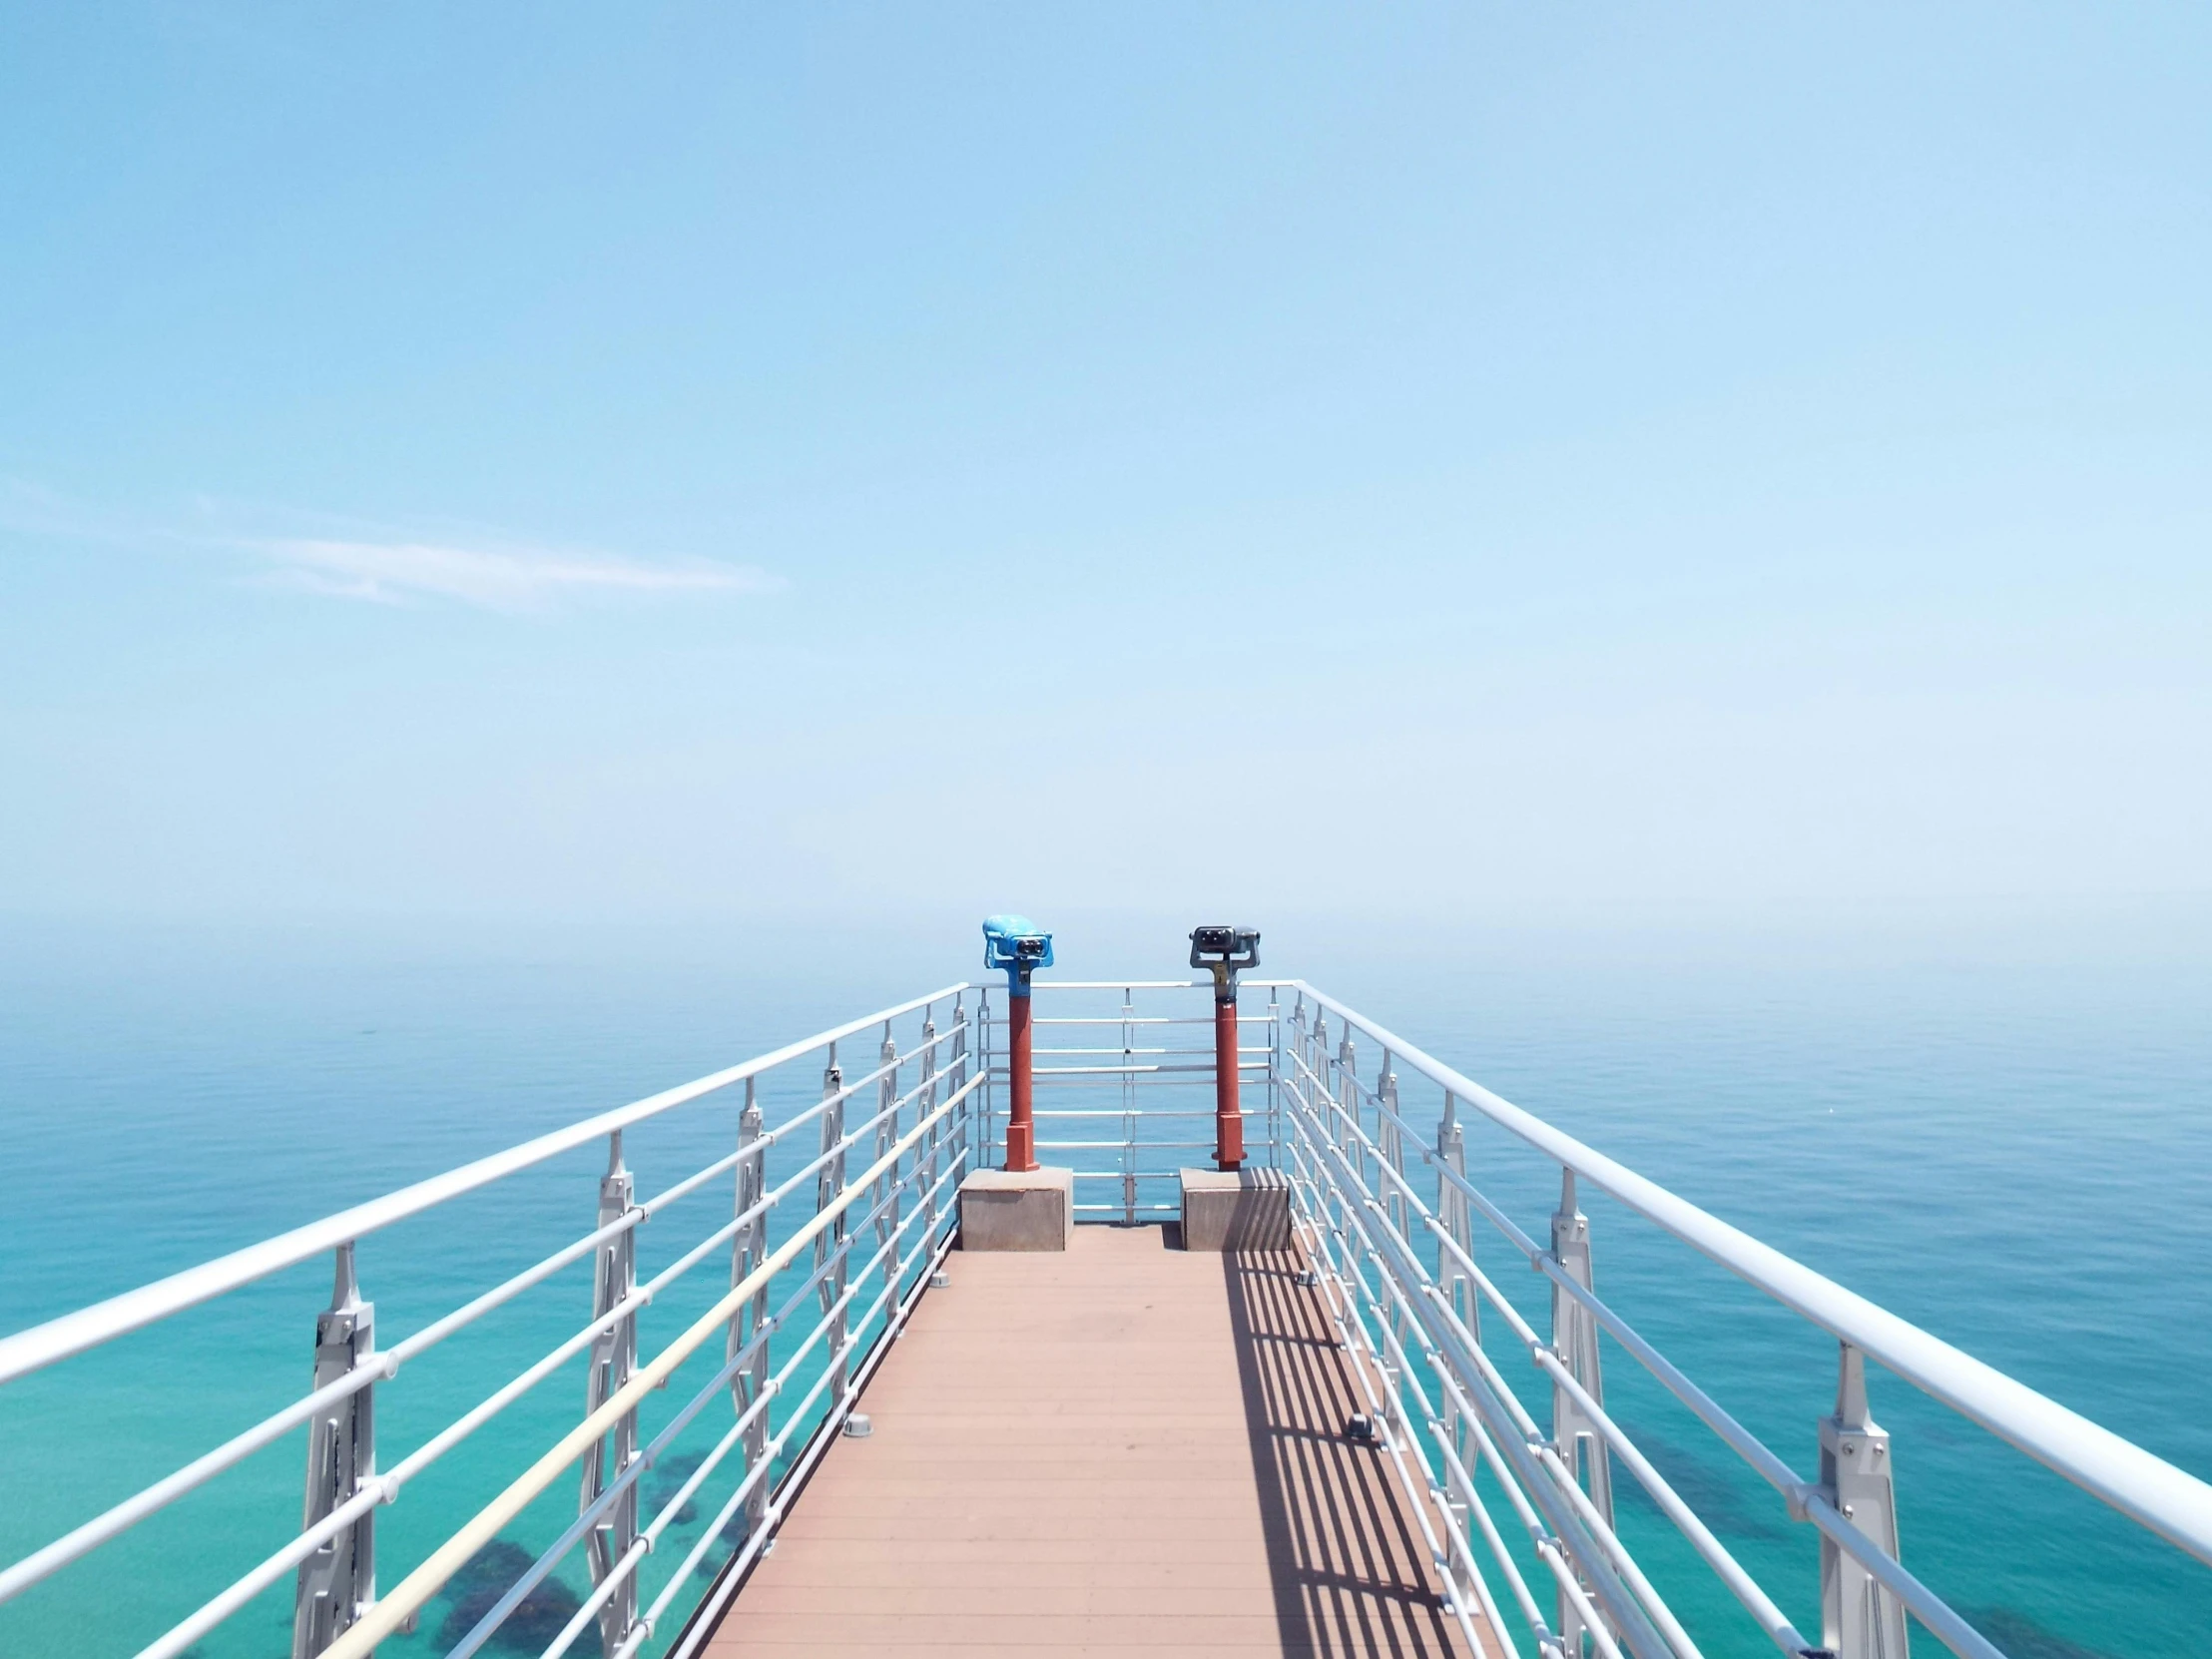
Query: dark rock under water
{"points": [[2023, 1638], [487, 1576]]}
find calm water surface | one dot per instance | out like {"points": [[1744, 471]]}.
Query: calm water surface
{"points": [[2020, 1160]]}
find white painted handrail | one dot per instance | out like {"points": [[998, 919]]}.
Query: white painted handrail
{"points": [[58, 1339], [2146, 1489]]}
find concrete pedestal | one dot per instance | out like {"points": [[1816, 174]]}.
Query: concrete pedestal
{"points": [[1236, 1209], [1000, 1210]]}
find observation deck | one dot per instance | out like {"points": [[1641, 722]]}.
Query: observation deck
{"points": [[1174, 1476], [729, 1384]]}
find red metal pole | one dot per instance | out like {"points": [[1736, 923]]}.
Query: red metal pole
{"points": [[1021, 1134], [1228, 1120]]}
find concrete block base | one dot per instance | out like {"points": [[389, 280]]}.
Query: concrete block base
{"points": [[1236, 1209], [1000, 1210]]}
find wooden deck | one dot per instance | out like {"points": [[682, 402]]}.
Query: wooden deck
{"points": [[1125, 1448]]}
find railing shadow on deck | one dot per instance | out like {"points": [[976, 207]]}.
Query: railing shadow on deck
{"points": [[1349, 1568]]}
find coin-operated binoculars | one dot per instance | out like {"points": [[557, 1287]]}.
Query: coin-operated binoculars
{"points": [[1226, 951], [1020, 946]]}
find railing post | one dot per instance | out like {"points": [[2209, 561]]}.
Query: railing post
{"points": [[883, 1195], [966, 1144], [1859, 1618], [747, 1252], [1346, 1098], [613, 1357], [338, 1581], [1128, 1106], [1395, 1214], [830, 1245], [1275, 1078], [1454, 1212], [934, 1142], [1347, 1093], [983, 1037], [1392, 1144], [1322, 1098], [1574, 1340]]}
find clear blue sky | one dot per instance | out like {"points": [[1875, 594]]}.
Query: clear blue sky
{"points": [[636, 461]]}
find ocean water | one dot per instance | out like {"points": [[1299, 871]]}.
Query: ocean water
{"points": [[2016, 1157]]}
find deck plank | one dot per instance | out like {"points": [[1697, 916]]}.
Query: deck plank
{"points": [[1120, 1449]]}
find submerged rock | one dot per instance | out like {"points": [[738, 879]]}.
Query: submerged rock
{"points": [[487, 1575]]}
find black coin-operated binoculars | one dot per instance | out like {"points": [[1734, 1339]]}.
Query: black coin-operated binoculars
{"points": [[1228, 951], [1020, 946]]}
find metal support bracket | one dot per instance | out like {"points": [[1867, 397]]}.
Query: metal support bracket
{"points": [[613, 1358], [1859, 1618], [830, 1246], [883, 1194], [747, 1252], [1574, 1340], [336, 1584]]}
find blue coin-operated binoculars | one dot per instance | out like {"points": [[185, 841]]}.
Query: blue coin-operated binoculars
{"points": [[1226, 951], [1020, 947]]}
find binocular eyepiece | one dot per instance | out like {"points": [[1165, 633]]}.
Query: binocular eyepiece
{"points": [[1018, 945], [1228, 951]]}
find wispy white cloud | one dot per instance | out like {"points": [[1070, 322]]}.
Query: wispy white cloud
{"points": [[503, 578], [364, 562]]}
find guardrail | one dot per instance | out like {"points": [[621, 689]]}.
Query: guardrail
{"points": [[1399, 1267], [905, 1117], [839, 1213], [1124, 1078]]}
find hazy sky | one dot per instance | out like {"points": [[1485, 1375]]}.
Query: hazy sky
{"points": [[630, 462]]}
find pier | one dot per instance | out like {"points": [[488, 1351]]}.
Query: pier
{"points": [[1122, 1448]]}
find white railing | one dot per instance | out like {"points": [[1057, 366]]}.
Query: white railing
{"points": [[1399, 1265], [905, 1119], [1124, 1085], [841, 1212]]}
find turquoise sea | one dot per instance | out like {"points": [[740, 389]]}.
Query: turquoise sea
{"points": [[2014, 1150]]}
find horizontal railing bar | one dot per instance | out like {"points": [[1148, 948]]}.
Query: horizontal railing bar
{"points": [[692, 1182], [1120, 1146], [1135, 1112], [1156, 985], [58, 1339], [1056, 1052], [386, 1488], [1745, 1444], [1379, 1396], [858, 1084], [119, 1518], [1121, 984], [892, 1274], [428, 1578], [703, 1615], [1942, 1623], [1139, 1019], [1131, 1175], [1366, 1214], [551, 1556], [1206, 1070], [2167, 1500]]}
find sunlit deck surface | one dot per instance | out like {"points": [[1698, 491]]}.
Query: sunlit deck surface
{"points": [[1125, 1448]]}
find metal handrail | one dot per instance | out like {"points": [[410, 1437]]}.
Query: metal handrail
{"points": [[931, 1085], [405, 1600], [1403, 1288], [2146, 1489], [58, 1339]]}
